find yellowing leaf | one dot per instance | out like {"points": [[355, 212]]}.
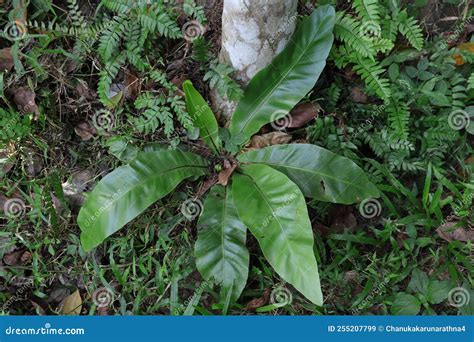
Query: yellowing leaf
{"points": [[72, 304], [463, 47]]}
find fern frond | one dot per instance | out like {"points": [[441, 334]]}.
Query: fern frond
{"points": [[383, 45], [368, 10], [390, 28], [347, 29], [398, 118], [195, 11], [107, 76], [370, 72], [458, 92], [77, 17], [218, 75], [470, 82], [110, 39], [156, 19], [410, 28]]}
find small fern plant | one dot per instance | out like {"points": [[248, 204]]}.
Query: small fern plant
{"points": [[369, 30]]}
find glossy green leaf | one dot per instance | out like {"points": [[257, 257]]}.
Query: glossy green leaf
{"points": [[202, 116], [220, 248], [129, 190], [276, 89], [274, 210], [320, 174]]}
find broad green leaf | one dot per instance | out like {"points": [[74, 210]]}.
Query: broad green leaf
{"points": [[274, 210], [319, 173], [419, 282], [202, 116], [438, 291], [276, 89], [220, 247], [129, 190], [405, 305]]}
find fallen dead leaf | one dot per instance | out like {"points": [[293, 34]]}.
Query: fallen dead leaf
{"points": [[302, 114], [450, 232], [469, 47], [25, 257], [84, 91], [6, 59], [85, 130], [272, 138], [208, 183], [13, 258], [357, 95], [226, 172], [25, 100], [132, 85], [259, 302], [72, 304]]}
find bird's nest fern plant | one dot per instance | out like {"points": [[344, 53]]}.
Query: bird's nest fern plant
{"points": [[265, 192]]}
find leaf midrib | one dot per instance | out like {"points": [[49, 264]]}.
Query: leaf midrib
{"points": [[254, 113], [261, 192], [147, 180], [307, 171]]}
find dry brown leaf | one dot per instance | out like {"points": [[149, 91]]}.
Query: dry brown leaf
{"points": [[25, 257], [132, 85], [272, 138], [225, 174], [72, 304], [357, 95], [85, 130], [302, 114], [449, 232], [6, 59], [25, 100], [259, 302], [13, 258], [84, 91], [208, 183]]}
